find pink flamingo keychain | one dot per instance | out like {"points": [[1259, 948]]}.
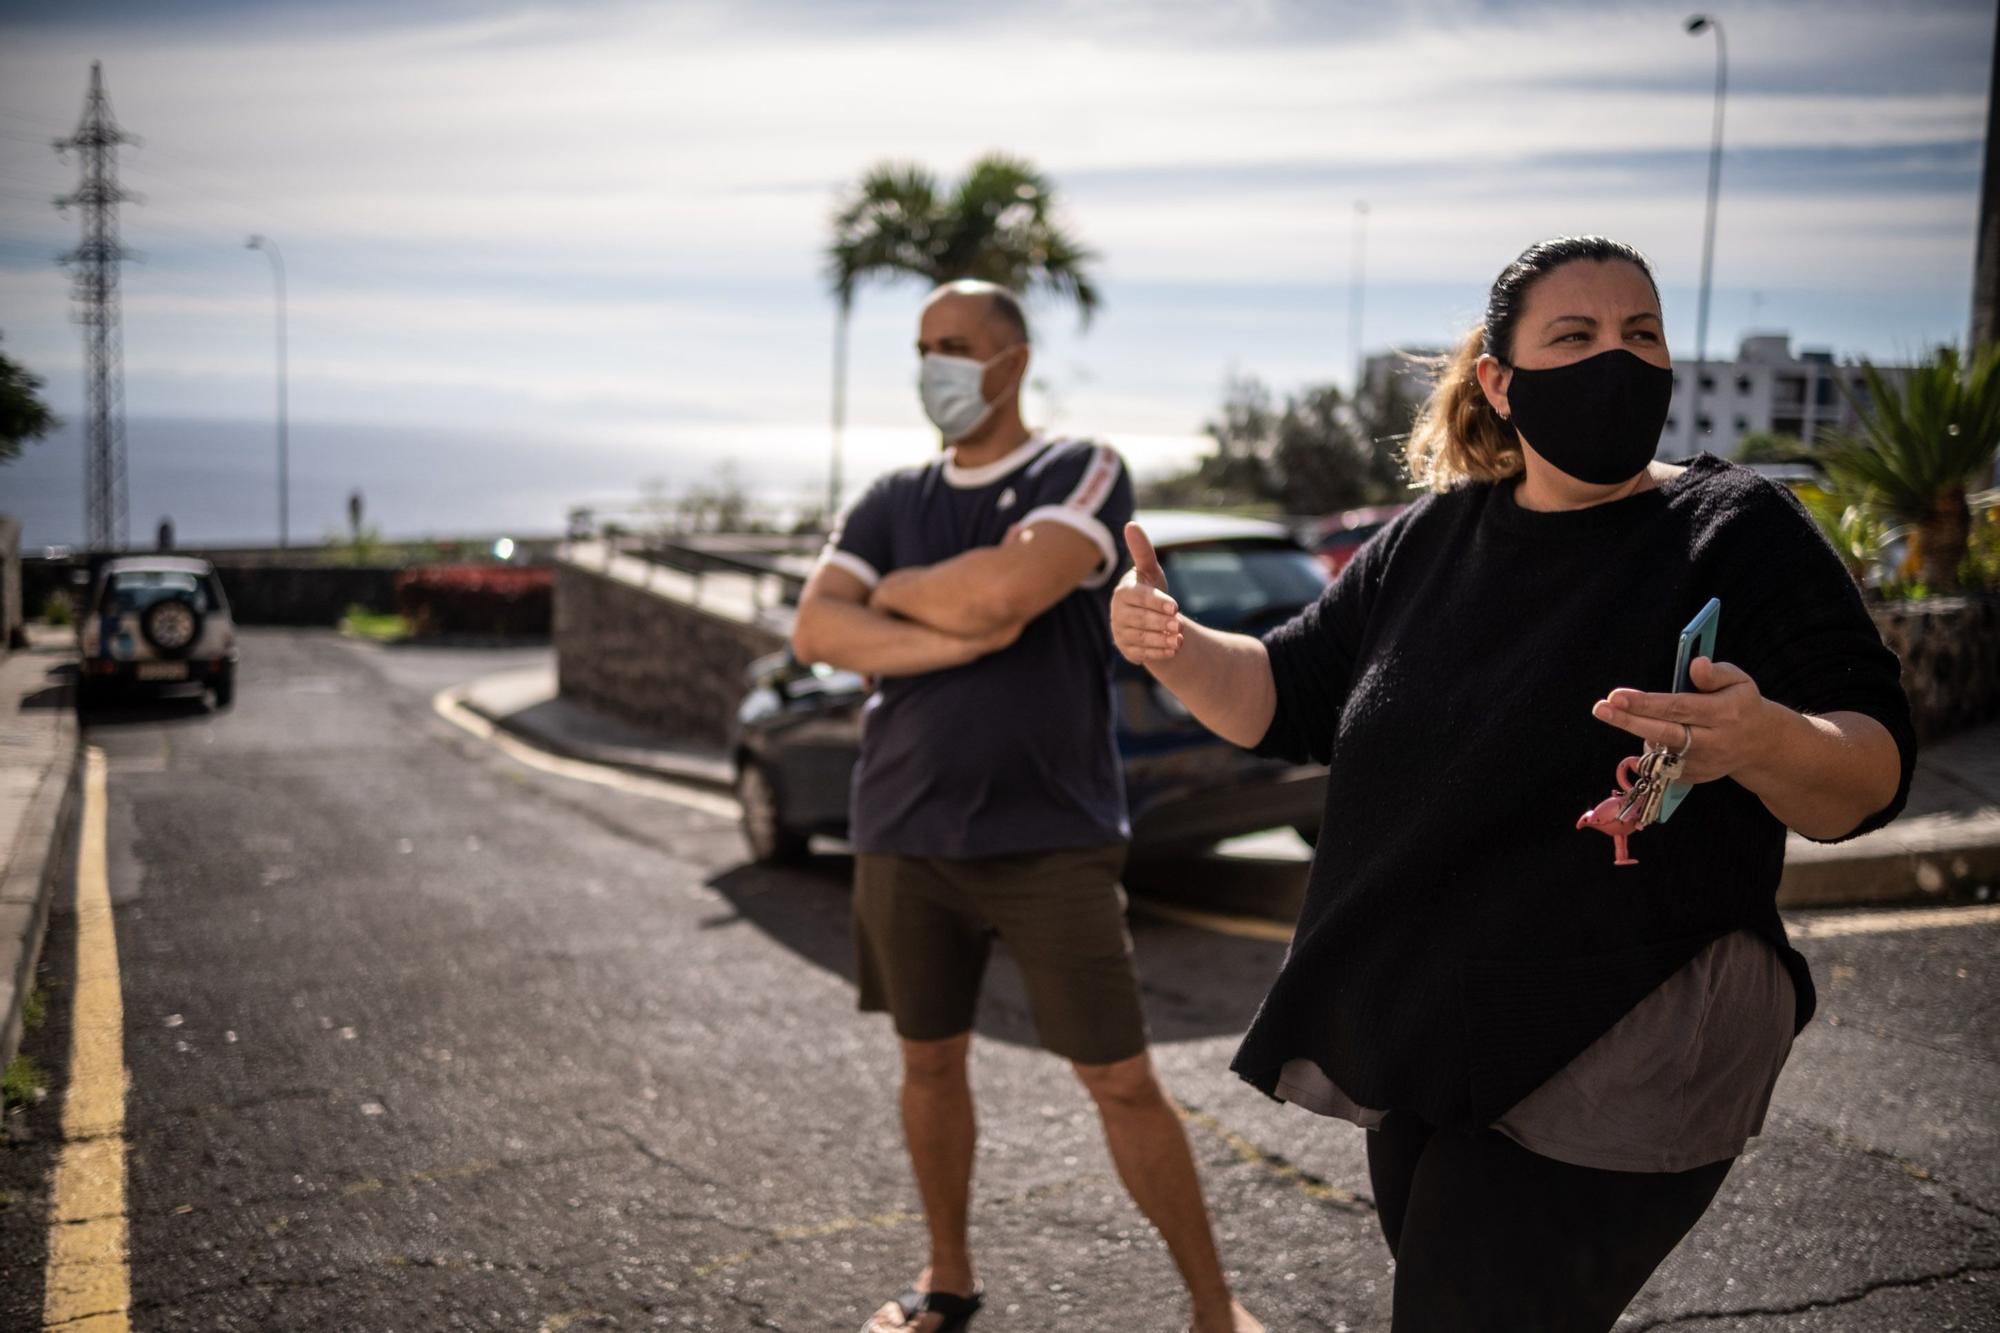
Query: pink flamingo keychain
{"points": [[1642, 780]]}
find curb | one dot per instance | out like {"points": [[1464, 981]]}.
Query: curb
{"points": [[43, 852], [664, 766], [1901, 877]]}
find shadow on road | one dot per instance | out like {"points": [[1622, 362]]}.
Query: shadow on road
{"points": [[1195, 983], [138, 710]]}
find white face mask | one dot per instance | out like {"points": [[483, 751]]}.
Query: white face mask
{"points": [[949, 386]]}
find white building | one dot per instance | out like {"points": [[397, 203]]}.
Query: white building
{"points": [[1765, 388]]}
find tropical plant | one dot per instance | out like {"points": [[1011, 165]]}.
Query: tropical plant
{"points": [[1921, 446], [1764, 446], [23, 414], [999, 224], [1855, 532]]}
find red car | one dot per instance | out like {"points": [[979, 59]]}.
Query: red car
{"points": [[1335, 539]]}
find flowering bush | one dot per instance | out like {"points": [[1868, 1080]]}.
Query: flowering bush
{"points": [[477, 599]]}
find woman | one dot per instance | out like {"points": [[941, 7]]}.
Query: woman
{"points": [[1557, 1052]]}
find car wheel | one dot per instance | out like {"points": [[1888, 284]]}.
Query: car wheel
{"points": [[1310, 832], [171, 625], [769, 840], [225, 687]]}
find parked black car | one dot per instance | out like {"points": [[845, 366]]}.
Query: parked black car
{"points": [[799, 726]]}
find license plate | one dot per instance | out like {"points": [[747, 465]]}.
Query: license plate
{"points": [[163, 671]]}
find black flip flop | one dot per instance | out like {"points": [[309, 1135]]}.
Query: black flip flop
{"points": [[957, 1310]]}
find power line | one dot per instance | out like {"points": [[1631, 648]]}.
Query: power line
{"points": [[94, 264]]}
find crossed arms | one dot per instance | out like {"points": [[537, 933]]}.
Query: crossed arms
{"points": [[930, 617]]}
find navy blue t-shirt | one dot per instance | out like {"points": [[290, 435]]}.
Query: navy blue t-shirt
{"points": [[1014, 752]]}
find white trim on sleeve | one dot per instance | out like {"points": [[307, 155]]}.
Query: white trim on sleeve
{"points": [[1100, 477], [852, 563], [1087, 524]]}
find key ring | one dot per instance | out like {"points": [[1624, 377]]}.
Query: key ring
{"points": [[1687, 741]]}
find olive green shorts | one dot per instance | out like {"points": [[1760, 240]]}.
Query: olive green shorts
{"points": [[923, 927]]}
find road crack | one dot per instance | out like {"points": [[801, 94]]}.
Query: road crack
{"points": [[1824, 1303], [1314, 1187]]}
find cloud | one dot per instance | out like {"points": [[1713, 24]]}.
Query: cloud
{"points": [[613, 213]]}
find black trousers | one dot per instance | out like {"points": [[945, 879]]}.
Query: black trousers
{"points": [[1491, 1238]]}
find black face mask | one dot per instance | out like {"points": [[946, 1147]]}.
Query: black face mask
{"points": [[1598, 419]]}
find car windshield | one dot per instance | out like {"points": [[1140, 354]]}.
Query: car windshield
{"points": [[137, 589], [1226, 583]]}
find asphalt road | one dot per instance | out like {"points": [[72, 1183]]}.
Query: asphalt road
{"points": [[422, 1038]]}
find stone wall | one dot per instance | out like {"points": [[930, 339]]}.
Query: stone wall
{"points": [[12, 608], [655, 660], [1950, 650]]}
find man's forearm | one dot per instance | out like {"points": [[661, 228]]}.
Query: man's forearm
{"points": [[1224, 680], [855, 638], [965, 595], [1823, 775]]}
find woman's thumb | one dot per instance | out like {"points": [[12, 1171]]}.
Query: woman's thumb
{"points": [[1144, 558]]}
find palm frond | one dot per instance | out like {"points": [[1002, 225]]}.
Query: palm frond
{"points": [[1933, 434]]}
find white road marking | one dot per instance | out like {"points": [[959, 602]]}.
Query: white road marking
{"points": [[450, 705]]}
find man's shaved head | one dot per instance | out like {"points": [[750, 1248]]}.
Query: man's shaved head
{"points": [[1000, 309]]}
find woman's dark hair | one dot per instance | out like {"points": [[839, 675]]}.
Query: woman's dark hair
{"points": [[1458, 436], [1510, 290]]}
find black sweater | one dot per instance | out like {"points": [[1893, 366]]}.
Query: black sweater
{"points": [[1461, 940]]}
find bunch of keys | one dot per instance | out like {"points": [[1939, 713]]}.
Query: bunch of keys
{"points": [[1642, 781], [1655, 771]]}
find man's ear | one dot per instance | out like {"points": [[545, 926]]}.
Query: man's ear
{"points": [[1010, 370]]}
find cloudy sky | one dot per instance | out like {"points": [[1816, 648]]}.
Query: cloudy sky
{"points": [[591, 232]]}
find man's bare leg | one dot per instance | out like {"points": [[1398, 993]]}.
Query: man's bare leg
{"points": [[1150, 1148], [941, 1134]]}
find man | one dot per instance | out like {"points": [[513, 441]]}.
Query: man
{"points": [[988, 798]]}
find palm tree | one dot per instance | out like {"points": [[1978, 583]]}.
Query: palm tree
{"points": [[1920, 447], [998, 224]]}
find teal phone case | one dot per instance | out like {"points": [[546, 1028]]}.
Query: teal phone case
{"points": [[1697, 640]]}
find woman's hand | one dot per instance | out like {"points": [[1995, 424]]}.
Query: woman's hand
{"points": [[1145, 621], [1729, 723]]}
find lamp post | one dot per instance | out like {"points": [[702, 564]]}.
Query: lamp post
{"points": [[1354, 292], [1696, 25], [278, 275]]}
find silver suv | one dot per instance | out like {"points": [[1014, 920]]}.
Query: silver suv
{"points": [[156, 620]]}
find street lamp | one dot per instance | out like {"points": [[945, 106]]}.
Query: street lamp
{"points": [[278, 275], [1354, 291], [1696, 25]]}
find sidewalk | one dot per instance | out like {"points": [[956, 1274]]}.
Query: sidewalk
{"points": [[526, 704], [1945, 844], [39, 791], [1944, 847]]}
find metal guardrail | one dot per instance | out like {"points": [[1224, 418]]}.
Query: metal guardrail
{"points": [[759, 582]]}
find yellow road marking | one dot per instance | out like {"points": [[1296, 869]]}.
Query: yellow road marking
{"points": [[88, 1282], [450, 705], [1217, 923]]}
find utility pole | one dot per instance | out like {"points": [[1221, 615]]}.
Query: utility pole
{"points": [[95, 263], [1986, 254], [284, 466], [1694, 27]]}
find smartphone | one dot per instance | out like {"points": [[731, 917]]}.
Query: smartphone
{"points": [[1697, 640]]}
